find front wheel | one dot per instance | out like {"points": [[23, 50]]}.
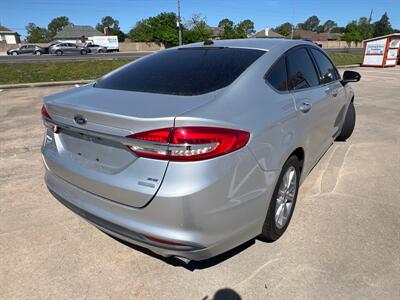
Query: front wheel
{"points": [[14, 53], [283, 201], [83, 52], [349, 123], [37, 53], [59, 53]]}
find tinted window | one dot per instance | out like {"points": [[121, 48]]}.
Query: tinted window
{"points": [[327, 70], [277, 75], [300, 69], [186, 71]]}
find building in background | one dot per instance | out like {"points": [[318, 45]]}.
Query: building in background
{"points": [[315, 36], [267, 33], [77, 33], [216, 32], [9, 37]]}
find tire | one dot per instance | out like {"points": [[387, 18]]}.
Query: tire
{"points": [[274, 226], [83, 52], [59, 53], [349, 123], [100, 51], [14, 53], [37, 53]]}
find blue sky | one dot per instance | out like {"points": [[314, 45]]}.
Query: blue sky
{"points": [[16, 14]]}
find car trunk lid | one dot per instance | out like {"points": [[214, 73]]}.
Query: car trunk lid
{"points": [[87, 150]]}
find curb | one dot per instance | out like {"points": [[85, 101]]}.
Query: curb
{"points": [[43, 84], [348, 66]]}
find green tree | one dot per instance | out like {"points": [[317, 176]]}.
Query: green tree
{"points": [[311, 23], [36, 34], [366, 28], [352, 33], [239, 31], [382, 27], [228, 29], [141, 32], [284, 29], [196, 30], [160, 29], [113, 27], [338, 30], [328, 26], [245, 28], [56, 25]]}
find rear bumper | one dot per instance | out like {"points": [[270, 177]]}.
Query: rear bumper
{"points": [[133, 225], [202, 209]]}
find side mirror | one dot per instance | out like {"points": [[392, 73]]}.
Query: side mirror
{"points": [[350, 76]]}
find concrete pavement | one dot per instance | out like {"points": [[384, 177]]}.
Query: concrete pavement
{"points": [[343, 241]]}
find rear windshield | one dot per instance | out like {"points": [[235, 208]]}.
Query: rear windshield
{"points": [[185, 71]]}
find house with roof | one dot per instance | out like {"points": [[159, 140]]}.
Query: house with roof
{"points": [[315, 36], [267, 33], [77, 33], [7, 36]]}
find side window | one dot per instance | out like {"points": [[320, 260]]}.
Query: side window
{"points": [[277, 75], [326, 68], [300, 70]]}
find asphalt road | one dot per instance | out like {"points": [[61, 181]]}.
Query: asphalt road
{"points": [[54, 58], [343, 241], [106, 56]]}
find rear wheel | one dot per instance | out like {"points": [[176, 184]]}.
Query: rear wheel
{"points": [[349, 123], [59, 53], [283, 201], [37, 53], [100, 51], [83, 52]]}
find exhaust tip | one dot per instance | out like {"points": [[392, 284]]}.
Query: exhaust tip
{"points": [[184, 260]]}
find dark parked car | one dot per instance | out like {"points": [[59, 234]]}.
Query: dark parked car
{"points": [[27, 49]]}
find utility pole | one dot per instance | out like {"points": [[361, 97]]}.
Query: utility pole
{"points": [[178, 23]]}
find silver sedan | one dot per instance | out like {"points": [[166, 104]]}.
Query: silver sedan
{"points": [[93, 48], [67, 48], [194, 150]]}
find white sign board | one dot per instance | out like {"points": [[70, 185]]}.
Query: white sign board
{"points": [[374, 52]]}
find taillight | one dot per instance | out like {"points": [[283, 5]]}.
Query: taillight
{"points": [[45, 114], [188, 143], [46, 118]]}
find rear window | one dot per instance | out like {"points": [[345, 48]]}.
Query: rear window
{"points": [[185, 71]]}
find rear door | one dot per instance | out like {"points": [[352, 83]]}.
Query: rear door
{"points": [[330, 80], [312, 101]]}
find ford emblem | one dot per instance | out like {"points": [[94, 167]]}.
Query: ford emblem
{"points": [[79, 119]]}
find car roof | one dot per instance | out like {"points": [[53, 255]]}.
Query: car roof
{"points": [[255, 43]]}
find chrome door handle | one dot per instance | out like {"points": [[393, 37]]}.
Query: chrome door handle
{"points": [[305, 107], [335, 92]]}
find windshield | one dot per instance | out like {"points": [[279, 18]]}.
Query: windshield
{"points": [[184, 71]]}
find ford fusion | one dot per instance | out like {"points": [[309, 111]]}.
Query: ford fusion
{"points": [[194, 150]]}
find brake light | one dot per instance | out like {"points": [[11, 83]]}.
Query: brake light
{"points": [[45, 114], [46, 118], [188, 143]]}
